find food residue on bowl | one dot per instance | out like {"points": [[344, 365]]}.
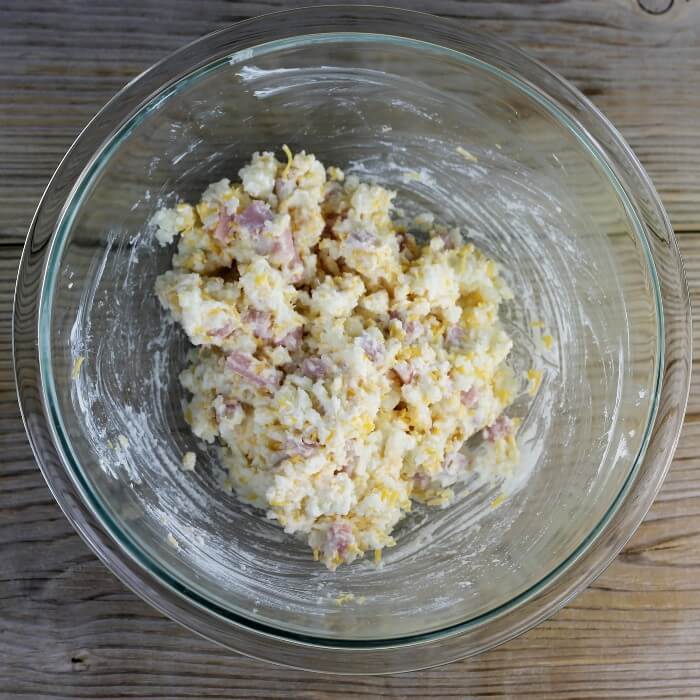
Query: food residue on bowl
{"points": [[77, 364], [340, 363], [189, 460]]}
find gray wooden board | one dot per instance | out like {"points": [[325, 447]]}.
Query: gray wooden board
{"points": [[69, 629]]}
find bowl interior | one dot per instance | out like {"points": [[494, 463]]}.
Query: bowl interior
{"points": [[527, 186]]}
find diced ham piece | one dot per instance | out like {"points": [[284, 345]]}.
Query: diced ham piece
{"points": [[414, 329], [283, 251], [339, 537], [314, 367], [405, 371], [245, 366], [260, 323], [500, 428], [292, 341], [469, 398], [223, 331], [240, 363], [222, 231], [254, 217], [372, 347]]}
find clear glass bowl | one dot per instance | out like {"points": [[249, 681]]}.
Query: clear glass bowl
{"points": [[544, 184]]}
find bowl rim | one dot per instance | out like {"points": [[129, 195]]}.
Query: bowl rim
{"points": [[52, 220], [60, 433]]}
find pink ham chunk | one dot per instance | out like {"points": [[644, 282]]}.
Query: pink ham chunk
{"points": [[314, 367], [284, 254], [292, 341], [372, 347], [254, 217], [260, 323], [245, 366], [413, 329], [281, 250], [500, 428], [339, 538], [239, 363], [222, 232], [469, 398], [223, 331]]}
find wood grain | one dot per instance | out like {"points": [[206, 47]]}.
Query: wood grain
{"points": [[68, 629]]}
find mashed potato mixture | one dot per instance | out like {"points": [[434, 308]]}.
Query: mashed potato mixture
{"points": [[340, 364]]}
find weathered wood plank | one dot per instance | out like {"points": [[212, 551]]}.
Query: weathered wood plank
{"points": [[68, 629]]}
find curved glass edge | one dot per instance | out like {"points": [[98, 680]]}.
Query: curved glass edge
{"points": [[441, 634]]}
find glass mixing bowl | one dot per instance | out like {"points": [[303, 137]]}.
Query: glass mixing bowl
{"points": [[460, 125]]}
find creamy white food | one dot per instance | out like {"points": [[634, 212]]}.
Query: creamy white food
{"points": [[340, 364]]}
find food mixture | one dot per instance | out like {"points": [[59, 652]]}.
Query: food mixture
{"points": [[340, 363]]}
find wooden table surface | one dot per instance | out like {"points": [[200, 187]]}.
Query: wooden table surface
{"points": [[69, 629]]}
